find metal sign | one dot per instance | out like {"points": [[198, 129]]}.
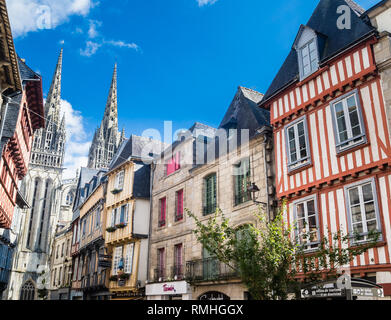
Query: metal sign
{"points": [[323, 293], [368, 292]]}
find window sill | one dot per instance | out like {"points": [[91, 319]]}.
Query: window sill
{"points": [[116, 191], [353, 148], [299, 169], [243, 205]]}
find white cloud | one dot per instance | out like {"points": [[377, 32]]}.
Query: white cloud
{"points": [[95, 41], [33, 15], [92, 31], [205, 2], [91, 49], [77, 145], [122, 44]]}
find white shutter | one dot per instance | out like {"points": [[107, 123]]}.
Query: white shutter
{"points": [[117, 258], [113, 217], [127, 214], [118, 215], [128, 260]]}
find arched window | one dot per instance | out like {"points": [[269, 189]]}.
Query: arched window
{"points": [[28, 291]]}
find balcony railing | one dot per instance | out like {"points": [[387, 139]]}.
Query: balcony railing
{"points": [[208, 270], [177, 272], [93, 281], [160, 274]]}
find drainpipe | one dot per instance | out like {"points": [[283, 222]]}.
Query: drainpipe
{"points": [[153, 167]]}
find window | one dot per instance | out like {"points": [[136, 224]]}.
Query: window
{"points": [[242, 181], [162, 213], [58, 249], [84, 227], [91, 217], [124, 214], [161, 263], [308, 59], [69, 199], [116, 260], [113, 217], [306, 217], [363, 210], [178, 262], [98, 217], [348, 122], [119, 180], [128, 259], [62, 249], [210, 195], [179, 206], [174, 164], [297, 144], [28, 291]]}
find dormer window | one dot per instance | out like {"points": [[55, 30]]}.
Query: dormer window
{"points": [[309, 61], [306, 45]]}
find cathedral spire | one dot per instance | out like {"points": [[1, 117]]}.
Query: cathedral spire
{"points": [[107, 138], [110, 119], [53, 100]]}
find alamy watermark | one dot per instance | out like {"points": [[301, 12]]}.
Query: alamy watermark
{"points": [[344, 21], [44, 17]]}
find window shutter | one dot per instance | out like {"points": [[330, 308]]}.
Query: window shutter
{"points": [[127, 214], [178, 161], [113, 217], [214, 192], [117, 215]]}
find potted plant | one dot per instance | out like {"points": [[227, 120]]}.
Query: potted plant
{"points": [[120, 225], [113, 278], [115, 191], [124, 276], [111, 229]]}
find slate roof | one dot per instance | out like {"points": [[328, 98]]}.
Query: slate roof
{"points": [[135, 147], [26, 73], [243, 113], [86, 174], [324, 22]]}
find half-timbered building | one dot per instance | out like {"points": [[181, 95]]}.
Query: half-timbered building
{"points": [[333, 148]]}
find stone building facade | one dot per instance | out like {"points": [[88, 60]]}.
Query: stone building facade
{"points": [[179, 267]]}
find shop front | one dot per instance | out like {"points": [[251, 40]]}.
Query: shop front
{"points": [[175, 290]]}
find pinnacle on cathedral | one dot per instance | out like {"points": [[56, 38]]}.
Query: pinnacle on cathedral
{"points": [[49, 142], [107, 138]]}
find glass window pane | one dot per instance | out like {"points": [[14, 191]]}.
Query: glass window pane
{"points": [[311, 207], [370, 212], [372, 225], [300, 211], [312, 223], [358, 228], [354, 196], [356, 214], [367, 192], [300, 128]]}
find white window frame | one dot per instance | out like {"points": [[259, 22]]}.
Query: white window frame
{"points": [[117, 255], [359, 185], [308, 243], [300, 162], [341, 146], [128, 258], [119, 180], [301, 61], [114, 217]]}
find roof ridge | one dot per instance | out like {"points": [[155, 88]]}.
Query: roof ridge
{"points": [[252, 90], [355, 6]]}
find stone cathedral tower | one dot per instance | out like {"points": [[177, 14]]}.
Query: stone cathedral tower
{"points": [[44, 191], [107, 138]]}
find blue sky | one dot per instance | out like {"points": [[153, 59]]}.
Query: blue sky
{"points": [[178, 60]]}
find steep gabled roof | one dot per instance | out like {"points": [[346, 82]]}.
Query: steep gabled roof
{"points": [[243, 112], [324, 22], [135, 147]]}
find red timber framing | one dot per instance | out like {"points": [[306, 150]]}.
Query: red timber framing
{"points": [[16, 153], [330, 171]]}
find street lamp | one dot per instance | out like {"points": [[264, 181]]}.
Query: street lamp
{"points": [[254, 190]]}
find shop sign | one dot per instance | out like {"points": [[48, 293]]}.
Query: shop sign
{"points": [[167, 288]]}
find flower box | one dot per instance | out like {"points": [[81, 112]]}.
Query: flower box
{"points": [[116, 191], [111, 229], [113, 278], [121, 225], [124, 276]]}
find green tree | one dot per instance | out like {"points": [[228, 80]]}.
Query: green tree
{"points": [[267, 259]]}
